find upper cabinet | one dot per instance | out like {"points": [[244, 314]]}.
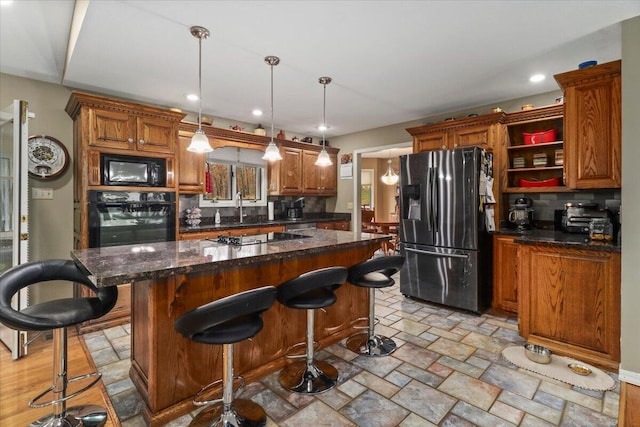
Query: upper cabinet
{"points": [[319, 180], [285, 176], [534, 151], [593, 143], [190, 166], [112, 125], [479, 131]]}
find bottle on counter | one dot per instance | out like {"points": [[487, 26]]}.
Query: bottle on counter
{"points": [[217, 217]]}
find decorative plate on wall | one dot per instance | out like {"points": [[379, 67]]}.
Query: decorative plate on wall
{"points": [[48, 157]]}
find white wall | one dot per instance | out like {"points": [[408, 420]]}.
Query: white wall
{"points": [[630, 339]]}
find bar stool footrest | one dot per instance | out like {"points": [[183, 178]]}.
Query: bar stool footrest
{"points": [[196, 399], [76, 416], [303, 345], [33, 403]]}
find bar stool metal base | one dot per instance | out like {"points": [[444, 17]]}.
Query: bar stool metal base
{"points": [[82, 415], [243, 413], [376, 345], [314, 378]]}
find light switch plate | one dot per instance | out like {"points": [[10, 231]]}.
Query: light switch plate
{"points": [[349, 205], [42, 193]]}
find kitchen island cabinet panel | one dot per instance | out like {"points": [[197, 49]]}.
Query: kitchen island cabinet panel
{"points": [[570, 302]]}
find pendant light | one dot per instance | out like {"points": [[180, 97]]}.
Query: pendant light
{"points": [[272, 153], [323, 157], [199, 141], [390, 177]]}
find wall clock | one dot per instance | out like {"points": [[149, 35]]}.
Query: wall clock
{"points": [[48, 157]]}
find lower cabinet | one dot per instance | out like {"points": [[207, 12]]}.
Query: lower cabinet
{"points": [[505, 274], [334, 225], [212, 234], [570, 302], [118, 315]]}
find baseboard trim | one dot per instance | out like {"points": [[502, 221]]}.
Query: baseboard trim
{"points": [[629, 377]]}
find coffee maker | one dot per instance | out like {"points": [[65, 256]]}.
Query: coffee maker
{"points": [[521, 214], [293, 210]]}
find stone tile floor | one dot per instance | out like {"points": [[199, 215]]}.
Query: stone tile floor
{"points": [[447, 371]]}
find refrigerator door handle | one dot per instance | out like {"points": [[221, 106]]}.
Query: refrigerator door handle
{"points": [[439, 254], [434, 197], [428, 201]]}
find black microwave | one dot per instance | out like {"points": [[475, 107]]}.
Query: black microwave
{"points": [[133, 171]]}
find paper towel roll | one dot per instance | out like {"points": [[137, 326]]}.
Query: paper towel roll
{"points": [[270, 210]]}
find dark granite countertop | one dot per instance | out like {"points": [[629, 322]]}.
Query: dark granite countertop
{"points": [[560, 239], [122, 264], [207, 224]]}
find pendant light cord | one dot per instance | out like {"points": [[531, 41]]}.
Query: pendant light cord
{"points": [[200, 83], [324, 112], [271, 102]]}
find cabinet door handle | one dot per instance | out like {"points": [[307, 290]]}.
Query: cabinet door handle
{"points": [[141, 141], [455, 145], [130, 140], [444, 147]]}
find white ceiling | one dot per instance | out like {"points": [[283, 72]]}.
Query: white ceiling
{"points": [[391, 61]]}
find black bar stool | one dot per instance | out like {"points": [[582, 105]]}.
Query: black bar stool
{"points": [[374, 273], [227, 321], [310, 291], [57, 315]]}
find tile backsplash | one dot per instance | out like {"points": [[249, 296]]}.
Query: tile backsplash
{"points": [[544, 204]]}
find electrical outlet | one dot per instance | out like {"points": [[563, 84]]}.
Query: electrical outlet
{"points": [[42, 193], [349, 205]]}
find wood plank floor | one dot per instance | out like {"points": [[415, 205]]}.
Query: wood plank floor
{"points": [[22, 380]]}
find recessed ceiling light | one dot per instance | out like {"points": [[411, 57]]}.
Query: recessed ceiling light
{"points": [[536, 78], [192, 97], [5, 2], [257, 112], [323, 127]]}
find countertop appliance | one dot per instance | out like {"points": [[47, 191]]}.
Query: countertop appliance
{"points": [[131, 217], [442, 231], [293, 210], [577, 216], [521, 214]]}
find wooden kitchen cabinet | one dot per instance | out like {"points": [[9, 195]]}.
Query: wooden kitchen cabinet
{"points": [[570, 302], [334, 225], [285, 176], [480, 131], [546, 119], [107, 125], [592, 127], [297, 175], [318, 180], [212, 234], [190, 167], [505, 274], [128, 130]]}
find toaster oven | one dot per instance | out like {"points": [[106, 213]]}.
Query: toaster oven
{"points": [[577, 216]]}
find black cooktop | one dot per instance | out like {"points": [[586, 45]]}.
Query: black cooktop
{"points": [[255, 239]]}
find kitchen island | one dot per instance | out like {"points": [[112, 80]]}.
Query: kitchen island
{"points": [[171, 278]]}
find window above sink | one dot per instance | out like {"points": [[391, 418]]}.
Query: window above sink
{"points": [[232, 170]]}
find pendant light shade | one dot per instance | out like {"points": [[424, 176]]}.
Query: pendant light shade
{"points": [[199, 141], [323, 157], [272, 152], [390, 177]]}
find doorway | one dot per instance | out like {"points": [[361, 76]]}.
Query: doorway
{"points": [[382, 154]]}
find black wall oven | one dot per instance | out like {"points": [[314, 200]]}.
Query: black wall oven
{"points": [[129, 217]]}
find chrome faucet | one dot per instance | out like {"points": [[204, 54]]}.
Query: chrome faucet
{"points": [[239, 204]]}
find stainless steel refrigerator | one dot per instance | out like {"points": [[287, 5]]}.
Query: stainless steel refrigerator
{"points": [[442, 231]]}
